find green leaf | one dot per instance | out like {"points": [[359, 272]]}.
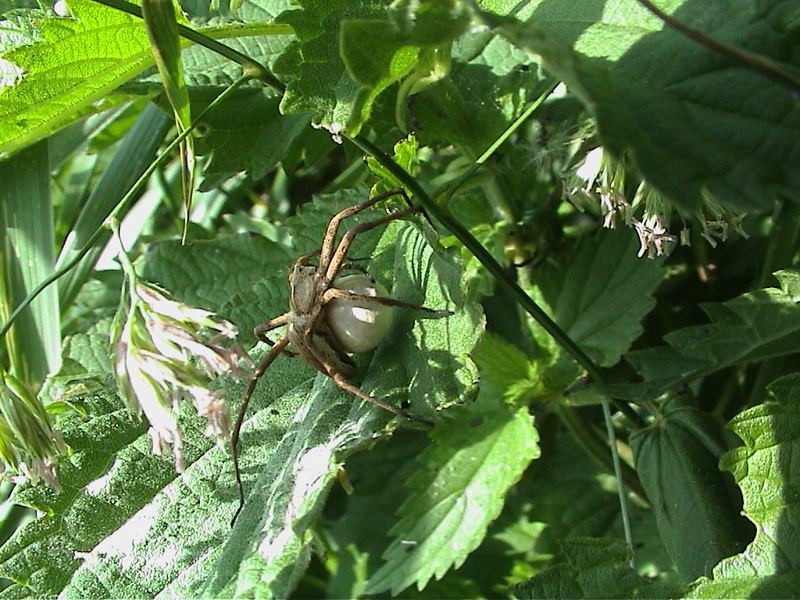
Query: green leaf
{"points": [[594, 568], [318, 82], [77, 62], [347, 53], [27, 255], [417, 31], [698, 518], [247, 134], [600, 291], [475, 457], [693, 121], [207, 274], [753, 327], [506, 372], [490, 83], [764, 469]]}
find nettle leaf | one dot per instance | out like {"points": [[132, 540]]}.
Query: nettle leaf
{"points": [[753, 327], [600, 291], [475, 457], [318, 82], [207, 274], [594, 568], [78, 62], [764, 469], [696, 511], [692, 120], [247, 134], [41, 557]]}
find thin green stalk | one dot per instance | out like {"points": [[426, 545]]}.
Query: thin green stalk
{"points": [[120, 207], [623, 498], [592, 443], [251, 67], [135, 153]]}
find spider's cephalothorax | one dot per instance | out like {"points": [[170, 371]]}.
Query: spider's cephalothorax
{"points": [[331, 314]]}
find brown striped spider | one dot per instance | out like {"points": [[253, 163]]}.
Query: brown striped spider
{"points": [[331, 315]]}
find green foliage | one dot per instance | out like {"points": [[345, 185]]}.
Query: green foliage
{"points": [[693, 121], [76, 63], [594, 568], [512, 491], [755, 326], [767, 568], [680, 451], [474, 458]]}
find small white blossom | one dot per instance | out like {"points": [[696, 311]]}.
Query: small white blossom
{"points": [[654, 239]]}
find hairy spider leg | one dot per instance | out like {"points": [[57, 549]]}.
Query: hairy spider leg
{"points": [[257, 373], [260, 331], [336, 293], [336, 262], [326, 250], [342, 383]]}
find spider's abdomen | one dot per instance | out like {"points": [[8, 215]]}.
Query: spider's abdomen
{"points": [[358, 326]]}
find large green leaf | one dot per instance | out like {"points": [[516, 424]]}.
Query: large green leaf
{"points": [[594, 568], [600, 291], [753, 327], [475, 457], [697, 515], [77, 62], [693, 121], [764, 467]]}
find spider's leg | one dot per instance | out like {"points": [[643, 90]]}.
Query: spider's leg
{"points": [[327, 365], [336, 262], [258, 372], [355, 267], [326, 250], [340, 381], [332, 293], [260, 331]]}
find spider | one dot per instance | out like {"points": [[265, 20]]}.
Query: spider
{"points": [[331, 315]]}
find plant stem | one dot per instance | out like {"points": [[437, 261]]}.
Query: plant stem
{"points": [[252, 68]]}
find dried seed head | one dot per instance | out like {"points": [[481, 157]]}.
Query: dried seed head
{"points": [[166, 351], [29, 447]]}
